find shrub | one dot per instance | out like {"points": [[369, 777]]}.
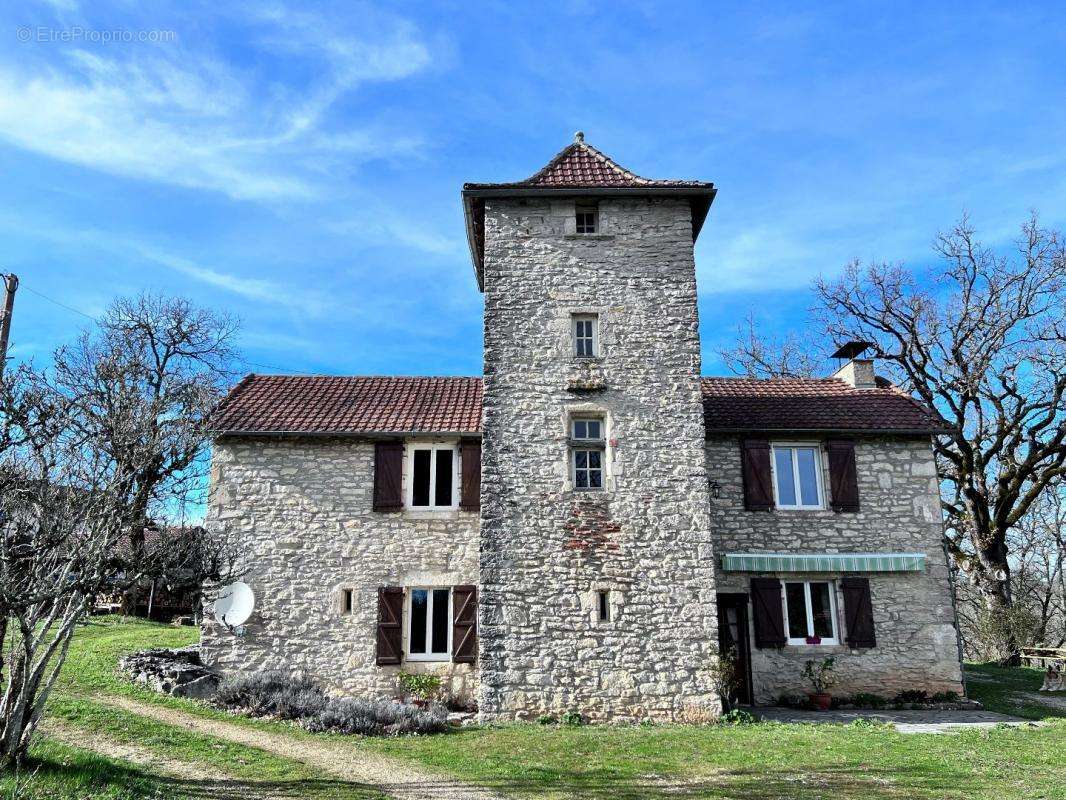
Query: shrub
{"points": [[572, 718], [869, 700], [737, 717], [297, 698], [546, 719], [912, 696], [820, 674], [267, 693], [946, 697], [376, 718], [422, 686]]}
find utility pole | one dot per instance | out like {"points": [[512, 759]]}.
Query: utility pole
{"points": [[11, 284]]}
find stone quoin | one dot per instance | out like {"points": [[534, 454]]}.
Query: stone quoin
{"points": [[587, 526]]}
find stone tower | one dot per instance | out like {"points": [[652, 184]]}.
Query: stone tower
{"points": [[597, 576]]}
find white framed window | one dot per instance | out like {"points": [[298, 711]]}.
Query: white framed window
{"points": [[429, 623], [586, 218], [797, 472], [811, 612], [431, 476], [585, 329], [588, 447]]}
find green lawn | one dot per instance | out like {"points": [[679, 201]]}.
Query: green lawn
{"points": [[757, 761]]}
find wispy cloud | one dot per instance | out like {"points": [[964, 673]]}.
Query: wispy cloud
{"points": [[181, 115]]}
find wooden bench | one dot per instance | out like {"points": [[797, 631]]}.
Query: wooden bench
{"points": [[1043, 657]]}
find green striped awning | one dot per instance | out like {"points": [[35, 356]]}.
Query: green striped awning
{"points": [[823, 562]]}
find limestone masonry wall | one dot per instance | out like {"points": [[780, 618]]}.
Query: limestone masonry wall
{"points": [[302, 509], [900, 512], [548, 549]]}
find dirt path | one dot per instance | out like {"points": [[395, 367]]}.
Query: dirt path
{"points": [[396, 779], [189, 779]]}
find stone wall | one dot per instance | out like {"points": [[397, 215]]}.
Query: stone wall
{"points": [[548, 549], [302, 509], [899, 512]]}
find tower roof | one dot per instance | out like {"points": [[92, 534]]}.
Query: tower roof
{"points": [[577, 169]]}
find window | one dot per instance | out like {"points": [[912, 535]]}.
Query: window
{"points": [[605, 606], [587, 447], [586, 219], [798, 476], [347, 601], [810, 612], [431, 476], [429, 629], [586, 335]]}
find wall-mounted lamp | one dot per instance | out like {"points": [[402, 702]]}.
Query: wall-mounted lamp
{"points": [[716, 489]]}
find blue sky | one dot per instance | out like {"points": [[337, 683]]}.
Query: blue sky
{"points": [[300, 165]]}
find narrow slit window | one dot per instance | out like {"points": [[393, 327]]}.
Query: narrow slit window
{"points": [[347, 601], [605, 606]]}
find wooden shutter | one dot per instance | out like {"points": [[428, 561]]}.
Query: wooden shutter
{"points": [[767, 612], [758, 491], [858, 612], [388, 476], [470, 454], [843, 477], [390, 618], [464, 624]]}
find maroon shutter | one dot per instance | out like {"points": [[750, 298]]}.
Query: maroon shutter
{"points": [[464, 624], [843, 477], [767, 613], [470, 454], [758, 492], [388, 476], [858, 612], [390, 616]]}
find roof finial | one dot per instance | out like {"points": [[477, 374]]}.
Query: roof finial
{"points": [[579, 136]]}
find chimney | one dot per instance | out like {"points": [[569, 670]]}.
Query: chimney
{"points": [[857, 372]]}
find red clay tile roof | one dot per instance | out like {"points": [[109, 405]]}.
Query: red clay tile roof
{"points": [[582, 166], [277, 404], [322, 404], [811, 404]]}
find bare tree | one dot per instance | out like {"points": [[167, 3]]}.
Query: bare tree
{"points": [[90, 453], [759, 356], [982, 341]]}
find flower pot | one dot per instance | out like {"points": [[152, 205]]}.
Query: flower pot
{"points": [[821, 701]]}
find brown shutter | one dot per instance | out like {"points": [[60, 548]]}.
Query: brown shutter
{"points": [[388, 476], [858, 612], [843, 477], [767, 613], [470, 453], [758, 492], [390, 617], [464, 624]]}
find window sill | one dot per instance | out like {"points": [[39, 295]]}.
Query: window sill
{"points": [[816, 648], [590, 236], [431, 513], [442, 658]]}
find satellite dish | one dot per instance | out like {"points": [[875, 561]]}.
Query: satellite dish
{"points": [[235, 604]]}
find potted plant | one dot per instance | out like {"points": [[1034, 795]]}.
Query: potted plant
{"points": [[820, 676], [419, 688]]}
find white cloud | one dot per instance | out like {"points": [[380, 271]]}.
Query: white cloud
{"points": [[182, 116]]}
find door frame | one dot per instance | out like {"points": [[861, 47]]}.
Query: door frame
{"points": [[739, 601]]}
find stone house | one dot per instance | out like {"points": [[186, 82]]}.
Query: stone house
{"points": [[586, 525]]}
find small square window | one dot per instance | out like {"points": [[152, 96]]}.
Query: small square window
{"points": [[587, 453], [586, 219], [588, 429], [586, 334], [604, 606]]}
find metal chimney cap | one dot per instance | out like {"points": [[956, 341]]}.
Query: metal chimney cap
{"points": [[851, 350]]}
